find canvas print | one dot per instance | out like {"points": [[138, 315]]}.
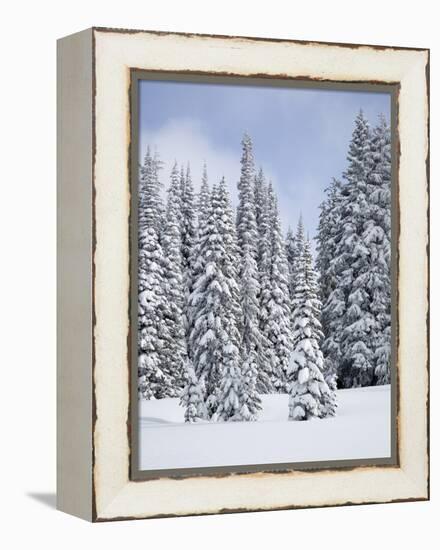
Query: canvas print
{"points": [[264, 275]]}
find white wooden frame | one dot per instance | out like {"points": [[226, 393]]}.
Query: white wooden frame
{"points": [[94, 210]]}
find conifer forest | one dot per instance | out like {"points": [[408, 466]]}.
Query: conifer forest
{"points": [[235, 309]]}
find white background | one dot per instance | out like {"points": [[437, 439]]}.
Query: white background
{"points": [[27, 274]]}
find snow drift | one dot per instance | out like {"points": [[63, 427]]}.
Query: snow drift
{"points": [[361, 430]]}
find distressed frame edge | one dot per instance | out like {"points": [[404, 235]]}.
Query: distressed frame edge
{"points": [[428, 270], [235, 510], [352, 45]]}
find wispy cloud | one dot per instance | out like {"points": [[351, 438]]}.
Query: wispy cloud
{"points": [[185, 140], [300, 135]]}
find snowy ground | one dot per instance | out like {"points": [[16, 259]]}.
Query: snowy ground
{"points": [[361, 429]]}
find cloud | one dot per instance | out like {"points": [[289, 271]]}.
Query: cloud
{"points": [[300, 135], [185, 140]]}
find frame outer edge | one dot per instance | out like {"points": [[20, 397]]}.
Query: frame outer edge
{"points": [[74, 274], [95, 517]]}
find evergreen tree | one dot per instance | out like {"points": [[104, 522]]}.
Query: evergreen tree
{"points": [[192, 398], [203, 206], [188, 239], [310, 396], [299, 245], [182, 182], [236, 397], [189, 219], [377, 236], [343, 258], [215, 337], [352, 254], [331, 294], [295, 253], [276, 301], [291, 255], [264, 256], [354, 262], [230, 264], [260, 200], [174, 352], [204, 197], [150, 203], [383, 358], [251, 402], [154, 377], [203, 342], [175, 197], [328, 228], [247, 236]]}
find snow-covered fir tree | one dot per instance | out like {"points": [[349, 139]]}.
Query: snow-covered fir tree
{"points": [[260, 200], [192, 397], [341, 257], [188, 237], [383, 358], [294, 252], [174, 192], [230, 264], [275, 311], [295, 246], [325, 239], [354, 250], [329, 231], [189, 218], [203, 198], [291, 255], [331, 295], [202, 342], [353, 257], [203, 207], [357, 350], [182, 182], [300, 241], [310, 395], [174, 352], [214, 301], [154, 377], [150, 202], [236, 397], [247, 237], [264, 256], [377, 236]]}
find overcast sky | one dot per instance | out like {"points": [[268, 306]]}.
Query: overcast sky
{"points": [[300, 136]]}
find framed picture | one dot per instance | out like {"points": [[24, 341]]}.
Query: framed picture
{"points": [[243, 274]]}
